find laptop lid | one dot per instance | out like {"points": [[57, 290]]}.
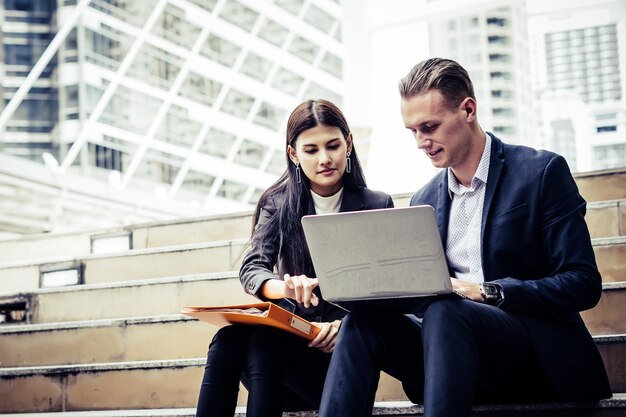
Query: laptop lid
{"points": [[377, 254]]}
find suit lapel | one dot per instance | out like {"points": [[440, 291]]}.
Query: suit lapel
{"points": [[496, 163], [443, 208], [351, 201]]}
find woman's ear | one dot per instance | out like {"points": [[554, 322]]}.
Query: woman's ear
{"points": [[292, 154], [349, 143]]}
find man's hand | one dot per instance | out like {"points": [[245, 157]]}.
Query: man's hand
{"points": [[469, 290], [326, 339], [300, 288]]}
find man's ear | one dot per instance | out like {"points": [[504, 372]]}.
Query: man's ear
{"points": [[292, 154], [469, 107]]}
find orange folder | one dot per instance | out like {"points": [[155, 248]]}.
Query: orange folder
{"points": [[260, 314]]}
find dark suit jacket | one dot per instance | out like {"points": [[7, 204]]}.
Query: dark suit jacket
{"points": [[258, 264], [535, 243]]}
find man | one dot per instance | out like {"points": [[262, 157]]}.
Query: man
{"points": [[519, 251]]}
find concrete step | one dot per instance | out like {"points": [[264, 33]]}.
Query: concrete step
{"points": [[606, 218], [208, 257], [611, 257], [607, 317], [136, 264], [122, 385], [104, 386], [613, 351], [602, 185], [152, 297], [108, 340], [142, 236], [615, 407]]}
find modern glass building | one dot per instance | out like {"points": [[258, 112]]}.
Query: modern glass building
{"points": [[578, 52], [184, 101], [492, 44]]}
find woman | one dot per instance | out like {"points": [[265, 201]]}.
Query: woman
{"points": [[283, 372]]}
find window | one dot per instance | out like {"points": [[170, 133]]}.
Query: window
{"points": [[239, 15], [220, 50], [287, 81], [232, 190], [199, 88], [198, 181], [318, 18], [604, 129], [269, 116], [238, 104], [256, 67], [273, 33], [303, 49], [250, 153], [218, 143], [332, 64]]}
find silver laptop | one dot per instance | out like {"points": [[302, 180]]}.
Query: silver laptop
{"points": [[377, 254]]}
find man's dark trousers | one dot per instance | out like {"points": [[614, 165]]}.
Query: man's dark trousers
{"points": [[459, 344]]}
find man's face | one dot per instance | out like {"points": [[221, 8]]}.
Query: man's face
{"points": [[443, 133]]}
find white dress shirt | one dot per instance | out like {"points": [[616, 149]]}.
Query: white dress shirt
{"points": [[463, 247]]}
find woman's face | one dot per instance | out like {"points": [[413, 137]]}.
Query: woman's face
{"points": [[321, 153]]}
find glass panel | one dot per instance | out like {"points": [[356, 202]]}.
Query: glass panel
{"points": [[218, 143], [316, 91], [332, 64], [319, 18], [303, 49], [292, 6], [256, 67], [178, 128], [155, 66], [200, 89], [269, 116], [107, 47], [250, 154], [198, 181], [237, 103], [220, 50], [131, 110], [205, 4], [277, 164], [173, 26], [240, 15], [273, 32], [232, 190], [159, 167], [287, 81]]}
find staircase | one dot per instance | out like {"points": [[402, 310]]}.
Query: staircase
{"points": [[115, 345]]}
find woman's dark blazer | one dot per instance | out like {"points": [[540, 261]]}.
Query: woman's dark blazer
{"points": [[259, 263], [536, 244]]}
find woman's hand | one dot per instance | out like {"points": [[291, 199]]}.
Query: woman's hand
{"points": [[300, 288], [327, 337], [469, 290]]}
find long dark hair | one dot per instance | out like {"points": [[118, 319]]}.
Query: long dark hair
{"points": [[292, 198]]}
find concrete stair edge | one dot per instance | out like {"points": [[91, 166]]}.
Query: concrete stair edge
{"points": [[129, 253], [93, 323], [382, 408], [122, 284]]}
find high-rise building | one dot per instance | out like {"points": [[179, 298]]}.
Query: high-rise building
{"points": [[578, 52], [185, 100], [491, 44]]}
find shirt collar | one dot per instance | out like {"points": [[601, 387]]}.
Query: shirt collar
{"points": [[480, 176]]}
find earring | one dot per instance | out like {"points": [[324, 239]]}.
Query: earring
{"points": [[298, 177], [348, 163]]}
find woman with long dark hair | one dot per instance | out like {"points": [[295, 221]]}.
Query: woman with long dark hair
{"points": [[283, 372]]}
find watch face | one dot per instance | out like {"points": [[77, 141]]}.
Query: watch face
{"points": [[490, 290]]}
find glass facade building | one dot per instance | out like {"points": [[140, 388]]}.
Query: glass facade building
{"points": [[184, 98]]}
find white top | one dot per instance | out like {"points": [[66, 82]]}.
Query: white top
{"points": [[464, 244], [325, 205]]}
